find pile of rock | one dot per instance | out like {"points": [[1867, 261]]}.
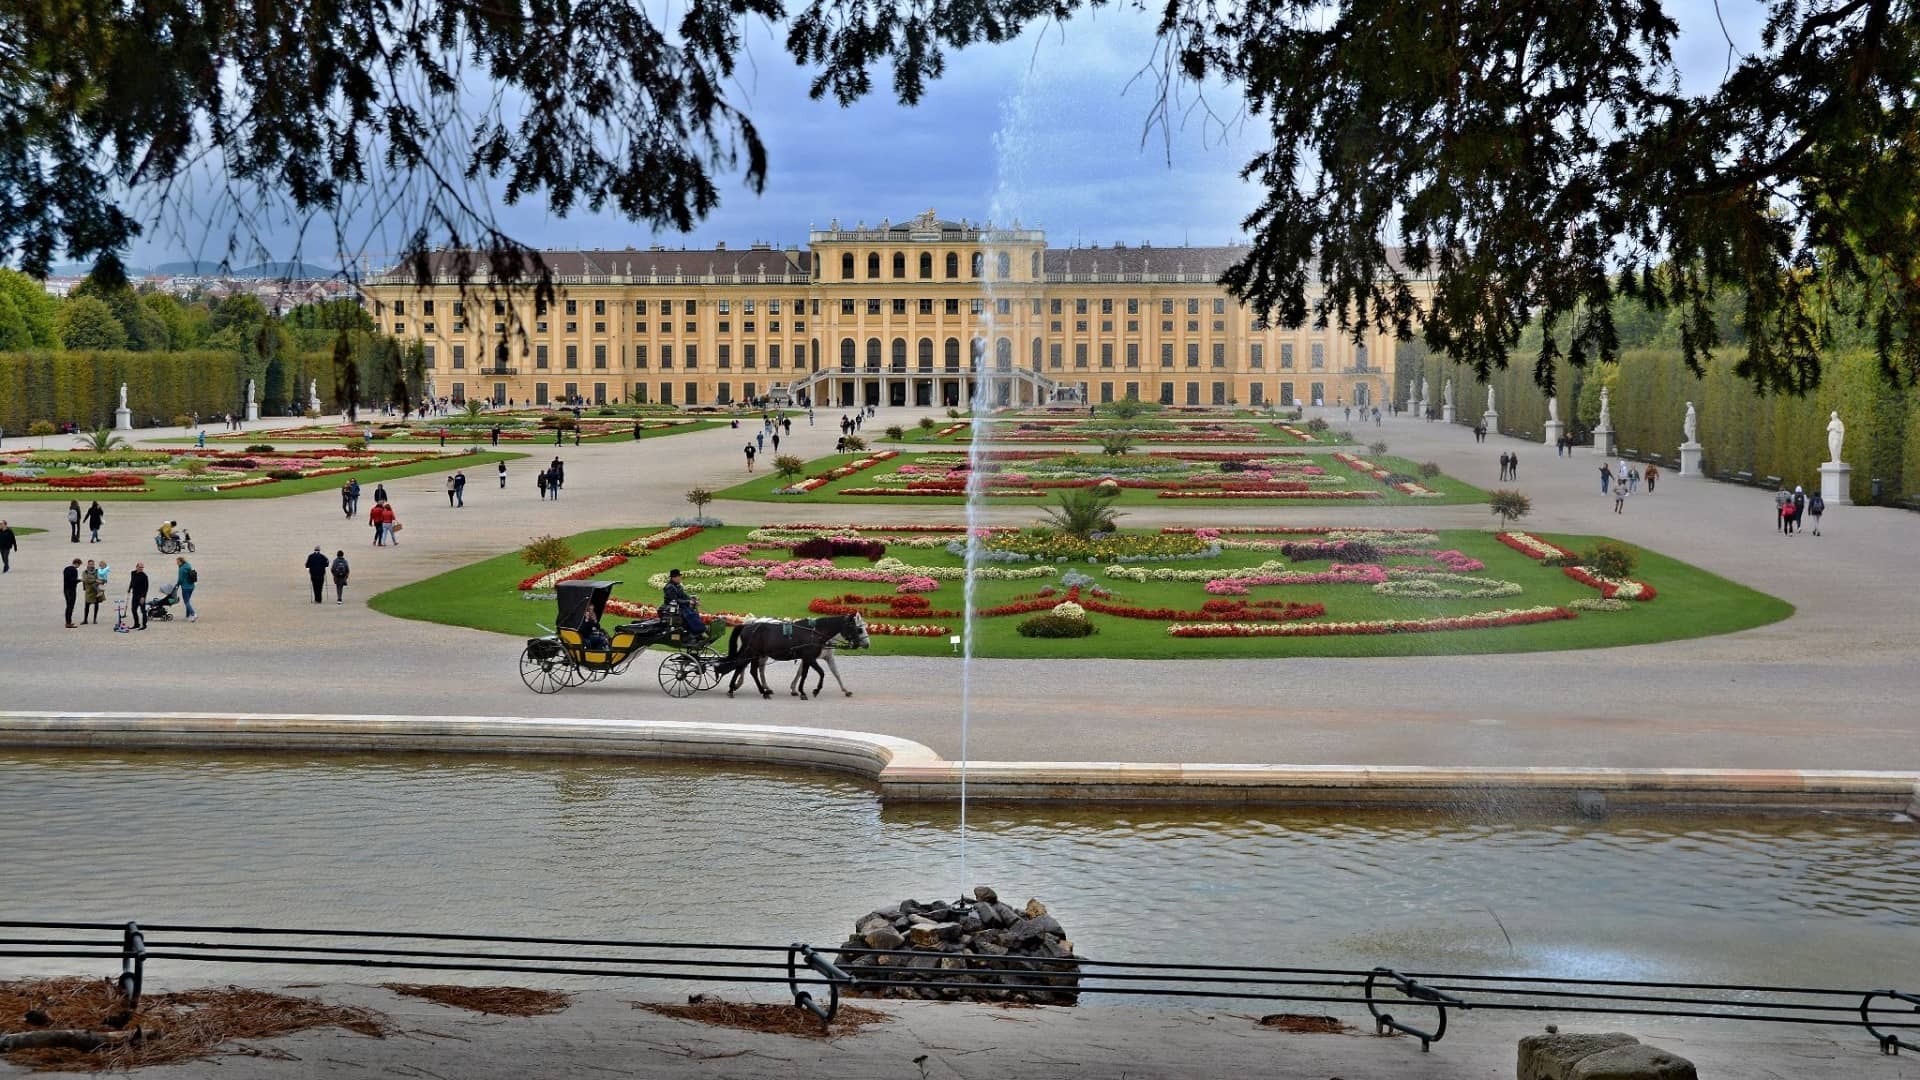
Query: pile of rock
{"points": [[975, 949]]}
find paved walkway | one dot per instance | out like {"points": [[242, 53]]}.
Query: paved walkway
{"points": [[1831, 687], [603, 1035]]}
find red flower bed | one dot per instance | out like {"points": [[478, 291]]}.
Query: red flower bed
{"points": [[1607, 588], [829, 547], [1212, 611], [1025, 605], [95, 482], [885, 605]]}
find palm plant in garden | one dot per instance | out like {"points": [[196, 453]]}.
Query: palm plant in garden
{"points": [[1115, 443], [100, 440], [1081, 512], [474, 408]]}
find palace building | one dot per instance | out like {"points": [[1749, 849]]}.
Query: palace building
{"points": [[921, 313]]}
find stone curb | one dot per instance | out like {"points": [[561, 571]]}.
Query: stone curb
{"points": [[910, 771]]}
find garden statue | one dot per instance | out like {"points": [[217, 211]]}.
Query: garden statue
{"points": [[1426, 390], [1553, 409], [123, 395], [1489, 397], [313, 394], [250, 391], [1836, 433], [1690, 427], [1446, 394], [1606, 412]]}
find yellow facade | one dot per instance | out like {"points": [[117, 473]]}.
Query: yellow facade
{"points": [[917, 314]]}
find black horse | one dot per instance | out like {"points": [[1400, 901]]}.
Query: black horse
{"points": [[754, 644]]}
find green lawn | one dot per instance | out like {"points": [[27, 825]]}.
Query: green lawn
{"points": [[1270, 433], [761, 488], [422, 434], [1691, 603], [175, 490]]}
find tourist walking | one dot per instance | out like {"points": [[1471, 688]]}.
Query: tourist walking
{"points": [[317, 573], [1816, 505], [760, 438], [9, 543], [503, 476], [185, 579], [557, 476], [340, 570], [1799, 506], [1619, 498], [460, 489], [1782, 507], [541, 481], [1606, 477], [750, 453], [1653, 477], [346, 498], [137, 586], [94, 517], [73, 520], [70, 587], [1513, 465], [93, 593], [379, 493], [449, 492], [776, 442]]}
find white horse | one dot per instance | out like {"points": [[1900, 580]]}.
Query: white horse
{"points": [[800, 676]]}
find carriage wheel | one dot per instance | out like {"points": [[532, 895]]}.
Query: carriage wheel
{"points": [[680, 675], [548, 676], [707, 675]]}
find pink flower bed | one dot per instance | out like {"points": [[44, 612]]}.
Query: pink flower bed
{"points": [[1337, 574], [1482, 621]]}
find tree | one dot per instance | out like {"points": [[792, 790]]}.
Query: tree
{"points": [[1082, 512], [346, 377], [15, 335], [37, 311], [699, 497], [789, 466], [1509, 506], [88, 323], [183, 330], [145, 331], [1527, 159]]}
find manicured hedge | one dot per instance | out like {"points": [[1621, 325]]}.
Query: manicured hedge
{"points": [[84, 387], [1741, 429]]}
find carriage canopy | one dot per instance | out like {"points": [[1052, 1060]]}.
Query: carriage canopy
{"points": [[582, 601]]}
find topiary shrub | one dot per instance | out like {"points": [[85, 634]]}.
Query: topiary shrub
{"points": [[1510, 506], [356, 444], [926, 423], [182, 420], [1049, 625], [789, 465], [1316, 425], [895, 431], [1429, 469], [285, 474], [953, 414], [259, 448], [546, 552], [827, 547], [1610, 560]]}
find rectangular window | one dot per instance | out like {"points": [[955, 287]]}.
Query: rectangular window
{"points": [[1256, 355], [541, 326], [540, 356], [599, 393], [1003, 307], [1286, 393], [1166, 308], [400, 307], [1133, 391], [1106, 357], [1193, 354], [692, 360], [846, 307], [1053, 355], [459, 327], [1133, 354], [599, 307], [799, 355], [399, 328], [1258, 394], [746, 356], [572, 327], [639, 393], [429, 355], [1106, 308], [900, 306], [1319, 356], [639, 328], [1219, 393], [773, 355], [459, 357], [1286, 355], [1193, 308], [926, 305], [459, 308], [952, 306], [1037, 305], [1193, 326], [1219, 306], [691, 307], [1080, 306], [539, 393], [974, 306], [1054, 308], [1219, 326], [573, 357], [751, 391], [1166, 393], [773, 306], [725, 327], [873, 307], [1080, 354], [1133, 326], [639, 307], [1054, 326], [1133, 308], [571, 390], [693, 393], [1079, 326], [428, 328], [726, 307], [1106, 326], [1193, 393], [1319, 393], [693, 328], [1166, 326], [639, 356], [572, 308], [1166, 354], [1219, 354], [724, 394], [666, 393], [726, 355], [666, 362], [600, 357], [1106, 393]]}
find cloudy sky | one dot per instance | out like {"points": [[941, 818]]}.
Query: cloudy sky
{"points": [[1047, 129]]}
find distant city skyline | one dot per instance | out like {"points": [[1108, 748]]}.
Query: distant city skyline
{"points": [[1045, 128]]}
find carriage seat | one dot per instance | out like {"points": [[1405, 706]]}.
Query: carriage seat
{"points": [[621, 644]]}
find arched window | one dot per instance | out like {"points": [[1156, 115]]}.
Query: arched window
{"points": [[899, 264], [873, 264], [926, 266], [873, 354], [926, 354], [953, 265], [846, 266], [1003, 354], [1002, 265], [977, 349], [846, 353], [975, 264], [1036, 354], [1036, 266], [899, 354], [953, 350]]}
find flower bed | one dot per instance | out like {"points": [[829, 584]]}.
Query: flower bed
{"points": [[608, 558], [1610, 588], [1482, 621]]}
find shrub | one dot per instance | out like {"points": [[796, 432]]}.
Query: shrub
{"points": [[194, 466], [926, 423], [699, 497], [259, 448], [789, 465], [827, 547], [182, 420], [856, 444], [1429, 469], [563, 421], [1377, 448], [1611, 560], [953, 414], [1346, 551], [896, 432], [1126, 408], [1049, 625], [1399, 478], [356, 444], [1509, 506], [1316, 425], [285, 474], [1115, 443], [546, 552], [311, 414], [1081, 512], [100, 441]]}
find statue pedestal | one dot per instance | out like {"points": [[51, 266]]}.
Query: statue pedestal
{"points": [[253, 410], [1446, 413], [123, 419], [1490, 422], [1603, 444], [1690, 458], [1555, 430], [1836, 483]]}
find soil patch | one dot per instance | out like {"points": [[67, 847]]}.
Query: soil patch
{"points": [[1302, 1024], [167, 1028], [769, 1019], [494, 1000]]}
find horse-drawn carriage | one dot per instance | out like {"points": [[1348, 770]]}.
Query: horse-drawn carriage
{"points": [[580, 650]]}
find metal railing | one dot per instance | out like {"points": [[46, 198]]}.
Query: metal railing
{"points": [[1890, 1017]]}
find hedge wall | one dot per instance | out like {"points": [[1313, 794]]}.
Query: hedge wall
{"points": [[84, 387], [1741, 429]]}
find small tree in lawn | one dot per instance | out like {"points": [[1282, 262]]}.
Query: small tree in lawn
{"points": [[699, 497], [546, 552], [926, 423], [1378, 449], [42, 428], [789, 466], [1509, 506]]}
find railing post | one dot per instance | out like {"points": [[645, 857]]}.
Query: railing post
{"points": [[133, 964]]}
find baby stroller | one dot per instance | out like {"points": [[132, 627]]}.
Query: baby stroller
{"points": [[157, 606], [180, 541]]}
